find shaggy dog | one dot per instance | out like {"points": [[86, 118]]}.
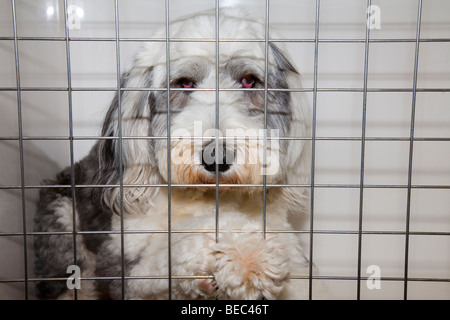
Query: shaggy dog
{"points": [[143, 230]]}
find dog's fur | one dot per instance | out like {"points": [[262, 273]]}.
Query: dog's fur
{"points": [[240, 263]]}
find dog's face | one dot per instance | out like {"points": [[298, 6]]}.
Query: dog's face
{"points": [[238, 115], [237, 112], [221, 119]]}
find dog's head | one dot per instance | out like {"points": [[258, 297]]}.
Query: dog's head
{"points": [[228, 111]]}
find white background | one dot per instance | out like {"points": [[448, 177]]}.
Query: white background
{"points": [[339, 115]]}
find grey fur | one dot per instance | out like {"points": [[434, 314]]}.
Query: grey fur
{"points": [[54, 253]]}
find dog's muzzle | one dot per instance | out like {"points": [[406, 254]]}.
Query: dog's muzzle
{"points": [[224, 159]]}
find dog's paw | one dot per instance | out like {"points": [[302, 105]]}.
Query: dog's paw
{"points": [[250, 268], [207, 286]]}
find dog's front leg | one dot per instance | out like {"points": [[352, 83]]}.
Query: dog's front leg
{"points": [[189, 259], [249, 267], [192, 259], [238, 266]]}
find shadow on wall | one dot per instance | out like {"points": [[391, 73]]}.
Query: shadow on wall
{"points": [[38, 166]]}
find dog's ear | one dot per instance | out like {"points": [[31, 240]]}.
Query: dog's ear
{"points": [[297, 159], [281, 59], [129, 157]]}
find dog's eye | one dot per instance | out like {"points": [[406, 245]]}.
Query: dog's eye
{"points": [[248, 81], [186, 83]]}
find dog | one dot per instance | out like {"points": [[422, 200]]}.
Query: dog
{"points": [[149, 202]]}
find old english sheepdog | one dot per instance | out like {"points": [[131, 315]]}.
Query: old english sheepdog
{"points": [[144, 231]]}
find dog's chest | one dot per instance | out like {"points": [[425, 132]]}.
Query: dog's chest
{"points": [[199, 210], [191, 205]]}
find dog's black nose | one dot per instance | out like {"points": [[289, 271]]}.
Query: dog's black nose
{"points": [[224, 157]]}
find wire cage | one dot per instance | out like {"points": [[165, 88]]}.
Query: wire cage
{"points": [[376, 73]]}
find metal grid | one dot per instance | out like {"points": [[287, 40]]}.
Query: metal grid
{"points": [[27, 280]]}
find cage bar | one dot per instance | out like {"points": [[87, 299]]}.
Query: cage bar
{"points": [[313, 151], [120, 144], [21, 159], [411, 147], [217, 119], [363, 148], [104, 39], [72, 162], [169, 170], [362, 186]]}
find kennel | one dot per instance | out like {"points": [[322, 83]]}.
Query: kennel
{"points": [[376, 73]]}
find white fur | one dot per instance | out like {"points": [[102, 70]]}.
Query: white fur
{"points": [[243, 264], [240, 263]]}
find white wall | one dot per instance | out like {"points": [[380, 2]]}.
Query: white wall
{"points": [[339, 114]]}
